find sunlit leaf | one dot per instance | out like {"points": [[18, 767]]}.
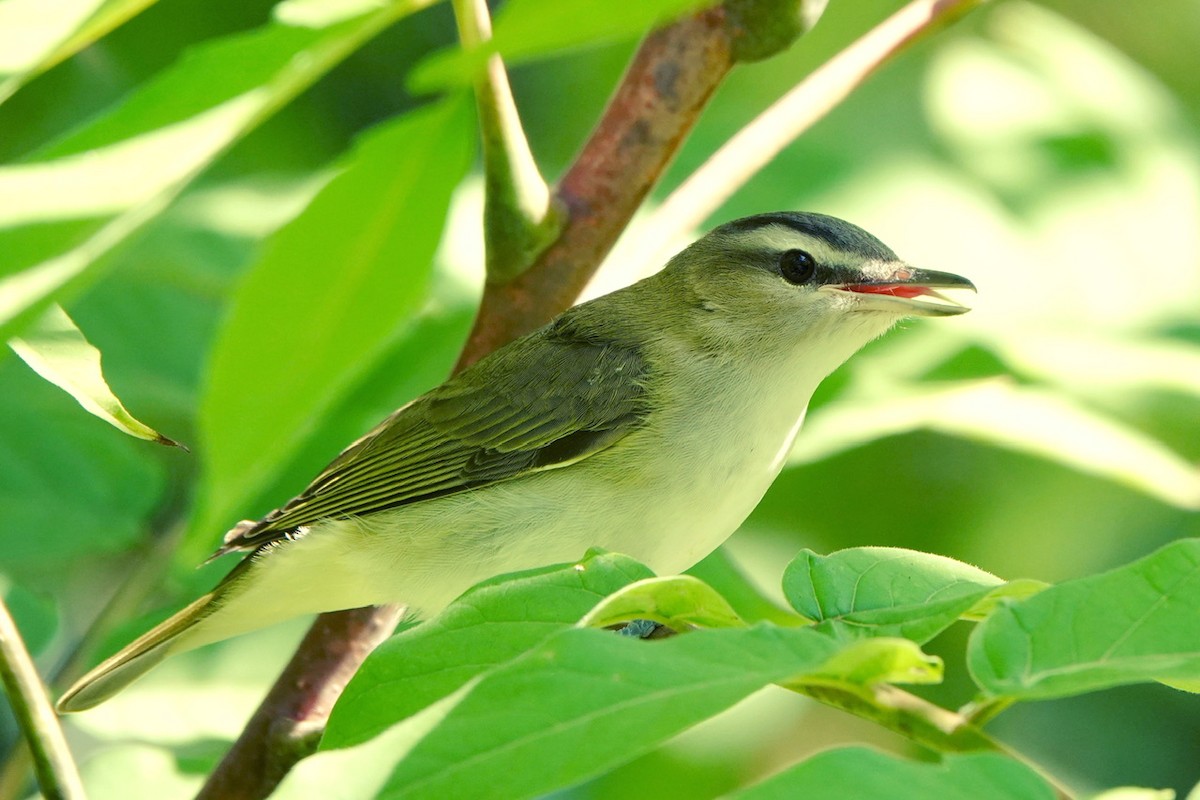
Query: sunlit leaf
{"points": [[883, 591], [37, 34], [590, 699], [526, 29], [857, 772], [58, 351], [678, 601], [873, 661], [76, 201], [494, 622], [1134, 624], [1025, 419], [332, 290], [1101, 363]]}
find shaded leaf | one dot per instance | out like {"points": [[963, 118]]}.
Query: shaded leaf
{"points": [[58, 351], [492, 623], [1134, 624], [858, 772], [69, 489]]}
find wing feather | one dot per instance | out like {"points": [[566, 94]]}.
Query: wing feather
{"points": [[566, 397]]}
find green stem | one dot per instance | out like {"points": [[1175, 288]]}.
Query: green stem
{"points": [[916, 719], [518, 220], [52, 762]]}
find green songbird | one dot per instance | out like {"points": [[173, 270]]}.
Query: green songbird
{"points": [[649, 422]]}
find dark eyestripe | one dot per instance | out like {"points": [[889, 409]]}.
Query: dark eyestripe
{"points": [[837, 233]]}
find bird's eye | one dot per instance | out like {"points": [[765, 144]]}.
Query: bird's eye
{"points": [[797, 266]]}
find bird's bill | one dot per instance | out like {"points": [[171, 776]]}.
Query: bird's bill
{"points": [[910, 291]]}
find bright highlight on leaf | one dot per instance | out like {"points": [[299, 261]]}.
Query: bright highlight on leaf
{"points": [[58, 351], [37, 34], [1025, 419], [680, 602]]}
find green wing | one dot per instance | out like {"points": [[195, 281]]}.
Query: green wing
{"points": [[547, 400]]}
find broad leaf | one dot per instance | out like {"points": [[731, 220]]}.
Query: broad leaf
{"points": [[680, 602], [65, 211], [1134, 624], [331, 292], [494, 622], [586, 700], [883, 591]]}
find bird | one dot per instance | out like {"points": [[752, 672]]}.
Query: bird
{"points": [[649, 421]]}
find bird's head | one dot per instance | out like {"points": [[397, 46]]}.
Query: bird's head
{"points": [[790, 273]]}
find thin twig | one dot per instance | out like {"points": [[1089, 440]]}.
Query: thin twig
{"points": [[52, 763]]}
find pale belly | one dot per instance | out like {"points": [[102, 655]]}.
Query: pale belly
{"points": [[668, 516]]}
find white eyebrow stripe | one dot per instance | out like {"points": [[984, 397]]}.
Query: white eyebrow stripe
{"points": [[781, 237]]}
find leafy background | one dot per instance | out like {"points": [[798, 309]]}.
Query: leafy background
{"points": [[1050, 152]]}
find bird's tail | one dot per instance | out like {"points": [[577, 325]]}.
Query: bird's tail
{"points": [[138, 657]]}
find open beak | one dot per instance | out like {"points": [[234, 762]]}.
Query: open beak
{"points": [[910, 291]]}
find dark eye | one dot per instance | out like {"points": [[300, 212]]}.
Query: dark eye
{"points": [[797, 266]]}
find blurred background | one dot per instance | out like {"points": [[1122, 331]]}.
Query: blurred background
{"points": [[1048, 151]]}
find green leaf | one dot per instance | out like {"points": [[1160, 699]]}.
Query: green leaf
{"points": [[70, 490], [58, 351], [333, 289], [64, 212], [884, 591], [1134, 624], [1025, 419], [35, 34], [529, 29], [719, 571], [492, 623], [585, 700], [869, 662], [859, 772], [680, 602]]}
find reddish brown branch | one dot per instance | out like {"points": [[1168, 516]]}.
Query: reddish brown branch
{"points": [[288, 723], [671, 78]]}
